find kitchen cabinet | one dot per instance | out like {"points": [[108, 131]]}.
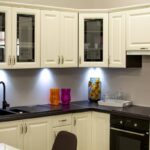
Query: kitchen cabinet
{"points": [[36, 135], [137, 29], [60, 123], [5, 34], [100, 131], [11, 133], [117, 49], [93, 40], [25, 38], [82, 129], [26, 134], [19, 37], [59, 36]]}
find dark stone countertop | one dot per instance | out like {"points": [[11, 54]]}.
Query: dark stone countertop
{"points": [[80, 106]]}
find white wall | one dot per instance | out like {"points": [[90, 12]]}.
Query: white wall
{"points": [[29, 87]]}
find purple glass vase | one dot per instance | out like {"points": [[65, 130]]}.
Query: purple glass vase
{"points": [[65, 96]]}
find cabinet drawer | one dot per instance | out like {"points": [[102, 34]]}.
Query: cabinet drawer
{"points": [[61, 120]]}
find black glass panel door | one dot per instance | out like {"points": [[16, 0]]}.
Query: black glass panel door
{"points": [[93, 40], [25, 38], [2, 37]]}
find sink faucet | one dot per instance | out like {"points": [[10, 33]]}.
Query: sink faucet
{"points": [[4, 103]]}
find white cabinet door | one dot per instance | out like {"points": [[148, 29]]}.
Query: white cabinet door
{"points": [[93, 40], [11, 134], [36, 135], [100, 131], [82, 128], [5, 34], [117, 51], [69, 39], [50, 38], [138, 29], [25, 38]]}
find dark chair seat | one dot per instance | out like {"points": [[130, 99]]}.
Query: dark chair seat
{"points": [[65, 141]]}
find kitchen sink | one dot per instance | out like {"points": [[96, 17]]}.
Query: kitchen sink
{"points": [[18, 111], [5, 112]]}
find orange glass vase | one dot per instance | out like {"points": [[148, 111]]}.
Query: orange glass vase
{"points": [[54, 96]]}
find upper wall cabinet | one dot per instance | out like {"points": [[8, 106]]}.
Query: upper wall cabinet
{"points": [[138, 29], [59, 36], [19, 38], [25, 38], [117, 51], [5, 36], [93, 40]]}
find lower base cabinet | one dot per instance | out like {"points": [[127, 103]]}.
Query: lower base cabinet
{"points": [[100, 131], [59, 123], [36, 135], [29, 134], [10, 133], [91, 128], [82, 128]]}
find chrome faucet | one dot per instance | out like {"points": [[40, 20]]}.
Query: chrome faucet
{"points": [[4, 102]]}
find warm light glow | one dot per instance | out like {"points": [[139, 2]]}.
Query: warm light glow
{"points": [[3, 76]]}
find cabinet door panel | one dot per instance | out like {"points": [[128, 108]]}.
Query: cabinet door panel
{"points": [[36, 137], [5, 34], [93, 40], [138, 31], [26, 35], [82, 128], [10, 133], [100, 131], [69, 44], [50, 39], [117, 52]]}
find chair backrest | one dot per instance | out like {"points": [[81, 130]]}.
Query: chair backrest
{"points": [[65, 141]]}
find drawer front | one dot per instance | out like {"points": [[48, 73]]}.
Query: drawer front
{"points": [[62, 120]]}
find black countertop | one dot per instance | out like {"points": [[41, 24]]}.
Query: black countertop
{"points": [[80, 106]]}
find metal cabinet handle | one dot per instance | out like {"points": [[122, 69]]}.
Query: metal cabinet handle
{"points": [[62, 60], [9, 60], [13, 60], [25, 128], [143, 48], [64, 120], [21, 129], [80, 60], [74, 123], [58, 59]]}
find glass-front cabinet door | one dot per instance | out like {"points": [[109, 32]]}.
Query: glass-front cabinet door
{"points": [[5, 37], [93, 40], [26, 43]]}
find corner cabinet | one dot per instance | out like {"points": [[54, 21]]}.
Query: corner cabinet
{"points": [[138, 29], [93, 40], [59, 39], [100, 131], [117, 49], [19, 37]]}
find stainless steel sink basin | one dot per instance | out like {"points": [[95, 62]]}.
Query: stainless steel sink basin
{"points": [[5, 112], [18, 111]]}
